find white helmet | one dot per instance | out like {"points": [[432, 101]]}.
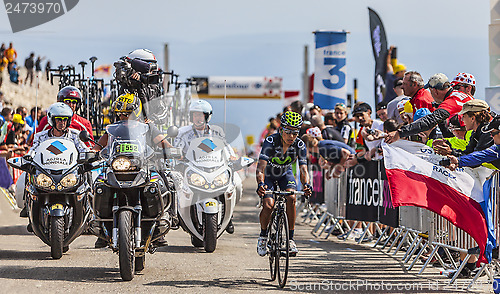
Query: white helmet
{"points": [[142, 54], [59, 109], [200, 106]]}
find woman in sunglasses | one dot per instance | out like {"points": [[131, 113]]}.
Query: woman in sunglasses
{"points": [[72, 97], [279, 152]]}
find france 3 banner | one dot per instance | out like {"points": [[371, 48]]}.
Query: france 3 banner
{"points": [[330, 69], [379, 47], [368, 195]]}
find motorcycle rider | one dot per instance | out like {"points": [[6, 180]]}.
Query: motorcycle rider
{"points": [[73, 98], [279, 152], [200, 113], [129, 107], [59, 117]]}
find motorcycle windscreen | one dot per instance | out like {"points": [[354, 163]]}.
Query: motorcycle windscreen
{"points": [[56, 154], [207, 151], [128, 138]]}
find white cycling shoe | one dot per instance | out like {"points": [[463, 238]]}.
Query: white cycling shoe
{"points": [[292, 248], [262, 246]]}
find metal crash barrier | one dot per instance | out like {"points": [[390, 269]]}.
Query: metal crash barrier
{"points": [[361, 197]]}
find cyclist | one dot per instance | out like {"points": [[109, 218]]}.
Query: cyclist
{"points": [[73, 98], [278, 153]]}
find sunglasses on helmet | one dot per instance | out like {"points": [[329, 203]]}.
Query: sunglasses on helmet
{"points": [[70, 101], [290, 131]]}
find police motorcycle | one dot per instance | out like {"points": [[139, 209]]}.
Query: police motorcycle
{"points": [[57, 191], [134, 195], [210, 190]]}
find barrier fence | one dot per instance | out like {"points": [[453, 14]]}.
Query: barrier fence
{"points": [[362, 195]]}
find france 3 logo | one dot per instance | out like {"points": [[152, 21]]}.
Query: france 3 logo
{"points": [[26, 14]]}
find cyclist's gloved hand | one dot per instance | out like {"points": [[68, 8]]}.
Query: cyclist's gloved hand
{"points": [[261, 189], [308, 189]]}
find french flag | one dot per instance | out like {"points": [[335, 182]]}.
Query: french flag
{"points": [[416, 179]]}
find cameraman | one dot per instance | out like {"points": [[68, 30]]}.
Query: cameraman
{"points": [[137, 73]]}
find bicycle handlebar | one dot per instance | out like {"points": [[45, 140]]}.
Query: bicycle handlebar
{"points": [[285, 193]]}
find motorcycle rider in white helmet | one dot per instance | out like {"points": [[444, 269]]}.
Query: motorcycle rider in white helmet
{"points": [[59, 118], [200, 113]]}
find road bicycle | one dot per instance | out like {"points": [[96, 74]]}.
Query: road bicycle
{"points": [[278, 239]]}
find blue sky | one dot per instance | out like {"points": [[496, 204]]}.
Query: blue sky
{"points": [[266, 38]]}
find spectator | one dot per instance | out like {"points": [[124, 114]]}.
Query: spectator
{"points": [[3, 65], [335, 156], [315, 110], [392, 109], [297, 107], [29, 63], [47, 69], [381, 111], [342, 124], [6, 115], [11, 55], [329, 119], [1, 98], [38, 64], [14, 73], [2, 49], [450, 103], [464, 82], [368, 136], [328, 133], [394, 71], [413, 87]]}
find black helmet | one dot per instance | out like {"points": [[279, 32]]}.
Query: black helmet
{"points": [[69, 92]]}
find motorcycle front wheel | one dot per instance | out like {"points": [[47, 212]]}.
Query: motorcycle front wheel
{"points": [[210, 232], [125, 245], [56, 236]]}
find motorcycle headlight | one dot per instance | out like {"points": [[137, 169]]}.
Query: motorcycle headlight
{"points": [[221, 179], [43, 180], [121, 164], [69, 181], [196, 179]]}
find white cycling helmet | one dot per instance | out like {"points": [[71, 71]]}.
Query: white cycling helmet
{"points": [[200, 106], [59, 109], [142, 54]]}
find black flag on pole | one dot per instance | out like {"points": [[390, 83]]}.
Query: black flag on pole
{"points": [[379, 46]]}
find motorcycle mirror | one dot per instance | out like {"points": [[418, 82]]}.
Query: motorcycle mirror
{"points": [[84, 136], [28, 157], [172, 131]]}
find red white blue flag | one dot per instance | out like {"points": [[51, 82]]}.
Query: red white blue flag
{"points": [[415, 179]]}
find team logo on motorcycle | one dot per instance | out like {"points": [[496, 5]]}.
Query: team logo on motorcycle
{"points": [[57, 148], [207, 145]]}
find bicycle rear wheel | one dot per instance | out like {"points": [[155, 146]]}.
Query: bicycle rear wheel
{"points": [[271, 231], [282, 243]]}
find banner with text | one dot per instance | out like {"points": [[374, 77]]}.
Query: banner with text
{"points": [[330, 69], [239, 87]]}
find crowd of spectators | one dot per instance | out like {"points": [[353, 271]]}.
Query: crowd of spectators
{"points": [[8, 62]]}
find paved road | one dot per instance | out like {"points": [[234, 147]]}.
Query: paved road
{"points": [[345, 267]]}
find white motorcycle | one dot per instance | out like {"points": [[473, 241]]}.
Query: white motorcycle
{"points": [[210, 190]]}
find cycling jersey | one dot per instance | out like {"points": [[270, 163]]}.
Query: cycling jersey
{"points": [[278, 164], [71, 135]]}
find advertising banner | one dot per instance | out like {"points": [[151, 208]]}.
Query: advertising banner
{"points": [[379, 47], [330, 69], [239, 87], [368, 196]]}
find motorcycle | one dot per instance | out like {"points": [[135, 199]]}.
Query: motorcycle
{"points": [[57, 191], [134, 195], [210, 190]]}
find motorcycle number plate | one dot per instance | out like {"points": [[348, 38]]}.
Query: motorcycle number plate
{"points": [[209, 204], [57, 206], [129, 148]]}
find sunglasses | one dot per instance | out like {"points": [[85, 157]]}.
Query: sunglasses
{"points": [[70, 101], [61, 118], [340, 105], [458, 86], [290, 132], [124, 114]]}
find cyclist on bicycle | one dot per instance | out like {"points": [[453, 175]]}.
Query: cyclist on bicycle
{"points": [[73, 98], [279, 152]]}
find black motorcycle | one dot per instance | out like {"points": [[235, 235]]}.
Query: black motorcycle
{"points": [[134, 197], [57, 192]]}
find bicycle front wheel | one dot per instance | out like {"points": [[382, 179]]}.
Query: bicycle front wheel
{"points": [[283, 254], [272, 245]]}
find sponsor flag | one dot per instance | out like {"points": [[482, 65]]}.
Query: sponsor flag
{"points": [[379, 47], [415, 179], [330, 69], [103, 71]]}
